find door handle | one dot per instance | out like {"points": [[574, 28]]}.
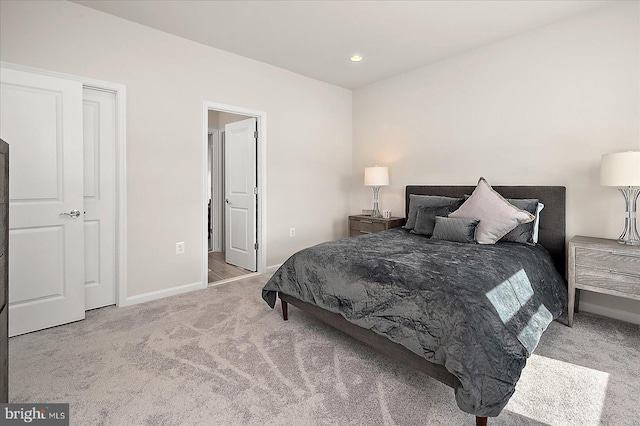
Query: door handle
{"points": [[73, 213], [226, 200]]}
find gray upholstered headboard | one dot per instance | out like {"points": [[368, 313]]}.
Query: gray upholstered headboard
{"points": [[552, 218]]}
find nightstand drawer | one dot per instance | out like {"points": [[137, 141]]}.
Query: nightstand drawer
{"points": [[608, 261], [361, 224], [365, 226], [612, 281]]}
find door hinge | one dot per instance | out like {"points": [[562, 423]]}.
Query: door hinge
{"points": [[255, 134], [255, 246], [255, 190]]}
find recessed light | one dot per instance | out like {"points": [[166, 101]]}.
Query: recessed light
{"points": [[356, 58]]}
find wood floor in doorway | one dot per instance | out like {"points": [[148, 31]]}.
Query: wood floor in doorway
{"points": [[220, 270]]}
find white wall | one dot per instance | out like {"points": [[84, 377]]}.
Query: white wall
{"points": [[537, 109], [168, 79], [540, 108]]}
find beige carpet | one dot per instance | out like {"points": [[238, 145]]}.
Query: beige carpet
{"points": [[221, 357]]}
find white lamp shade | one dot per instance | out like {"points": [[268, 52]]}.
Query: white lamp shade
{"points": [[620, 169], [376, 176]]}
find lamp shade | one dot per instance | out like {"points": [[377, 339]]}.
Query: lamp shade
{"points": [[376, 176], [620, 169]]}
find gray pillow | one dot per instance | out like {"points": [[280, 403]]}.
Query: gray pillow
{"points": [[523, 233], [426, 219], [458, 229], [497, 216], [417, 201]]}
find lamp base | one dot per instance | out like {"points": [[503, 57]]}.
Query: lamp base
{"points": [[629, 242], [630, 234], [375, 212]]}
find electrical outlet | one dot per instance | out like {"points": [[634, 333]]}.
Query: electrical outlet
{"points": [[292, 232], [180, 247]]}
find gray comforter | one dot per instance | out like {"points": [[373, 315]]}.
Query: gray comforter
{"points": [[477, 309]]}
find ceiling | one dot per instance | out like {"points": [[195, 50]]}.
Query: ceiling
{"points": [[316, 38]]}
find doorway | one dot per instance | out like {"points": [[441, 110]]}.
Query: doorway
{"points": [[233, 198]]}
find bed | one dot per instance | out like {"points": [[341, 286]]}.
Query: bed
{"points": [[410, 298]]}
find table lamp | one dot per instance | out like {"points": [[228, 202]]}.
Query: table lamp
{"points": [[375, 177], [622, 169]]}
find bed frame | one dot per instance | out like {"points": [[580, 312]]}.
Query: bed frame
{"points": [[551, 236]]}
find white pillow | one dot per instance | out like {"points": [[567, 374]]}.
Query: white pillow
{"points": [[497, 216], [536, 224]]}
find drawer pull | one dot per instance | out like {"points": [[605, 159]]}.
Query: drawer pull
{"points": [[626, 274], [365, 232], [617, 253], [366, 221]]}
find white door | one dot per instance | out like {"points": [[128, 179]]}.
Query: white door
{"points": [[99, 126], [41, 119], [240, 198]]}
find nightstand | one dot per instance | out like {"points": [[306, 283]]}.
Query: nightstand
{"points": [[360, 224], [603, 266]]}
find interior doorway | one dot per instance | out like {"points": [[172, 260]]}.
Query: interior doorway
{"points": [[233, 197]]}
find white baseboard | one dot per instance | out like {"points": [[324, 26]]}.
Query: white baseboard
{"points": [[161, 294], [611, 313], [273, 268]]}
